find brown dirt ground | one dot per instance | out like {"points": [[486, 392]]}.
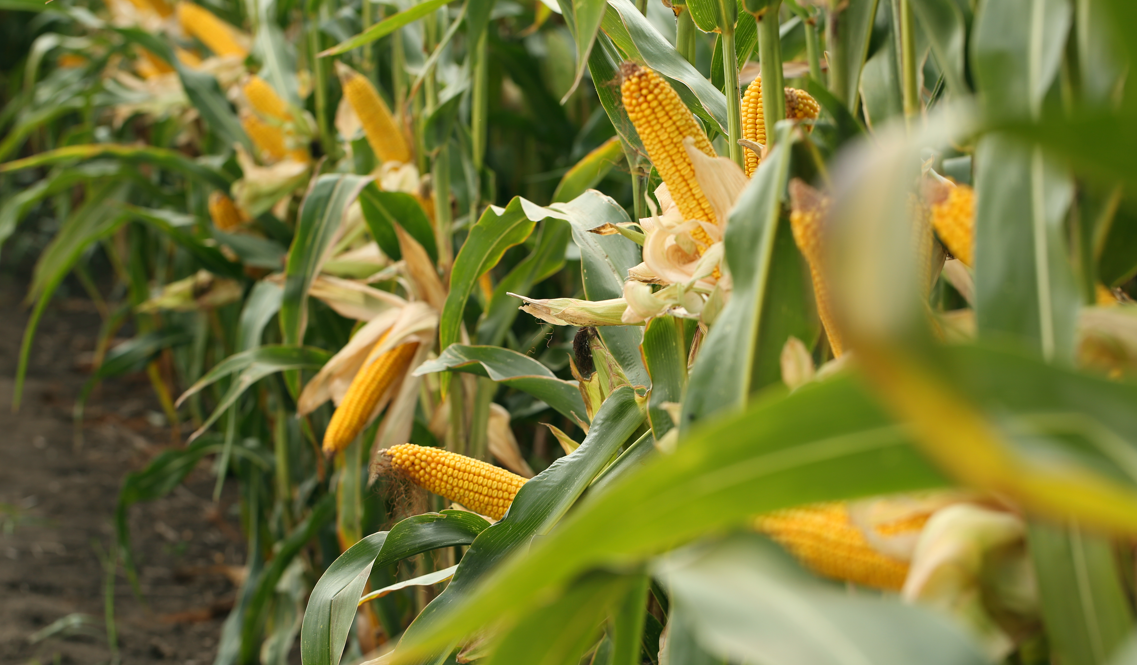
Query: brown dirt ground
{"points": [[57, 502]]}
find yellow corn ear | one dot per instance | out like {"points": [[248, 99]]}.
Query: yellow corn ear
{"points": [[269, 139], [380, 371], [158, 7], [71, 60], [217, 35], [824, 538], [479, 486], [953, 218], [150, 65], [800, 105], [1104, 296], [264, 99], [808, 209], [188, 58], [224, 213], [383, 133], [663, 123]]}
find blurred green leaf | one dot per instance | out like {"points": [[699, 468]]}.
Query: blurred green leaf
{"points": [[332, 605], [382, 210], [512, 369], [943, 23], [583, 18], [665, 356], [589, 171], [132, 154], [262, 303], [386, 26], [99, 216], [18, 205], [1016, 50], [748, 600], [854, 22], [172, 225]]}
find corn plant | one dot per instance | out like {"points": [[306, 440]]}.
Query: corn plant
{"points": [[808, 294]]}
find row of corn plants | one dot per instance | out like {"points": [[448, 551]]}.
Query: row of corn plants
{"points": [[613, 332]]}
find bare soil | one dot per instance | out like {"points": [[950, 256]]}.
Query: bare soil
{"points": [[57, 503]]}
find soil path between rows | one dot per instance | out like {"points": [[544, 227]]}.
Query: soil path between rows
{"points": [[57, 503]]}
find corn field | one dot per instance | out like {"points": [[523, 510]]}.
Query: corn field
{"points": [[781, 332]]}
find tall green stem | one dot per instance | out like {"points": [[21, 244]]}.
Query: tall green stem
{"points": [[908, 62], [366, 20], [320, 85], [479, 121], [733, 95], [685, 35], [773, 85]]}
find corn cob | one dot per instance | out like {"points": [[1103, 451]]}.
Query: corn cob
{"points": [[479, 486], [379, 372], [953, 217], [823, 537], [383, 133], [663, 123], [269, 139], [217, 35], [188, 58], [158, 7], [224, 212], [808, 209], [1104, 296], [71, 60], [264, 99], [800, 105], [150, 65]]}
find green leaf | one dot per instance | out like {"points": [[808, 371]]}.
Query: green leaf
{"points": [[540, 504], [658, 54], [278, 59], [98, 217], [628, 622], [262, 303], [332, 605], [586, 17], [775, 454], [18, 204], [512, 369], [946, 29], [386, 26], [589, 171], [709, 15], [253, 251], [253, 365], [1016, 50], [603, 67], [172, 225], [722, 377], [170, 160], [1093, 617], [747, 600], [880, 86], [745, 41], [382, 210], [1021, 201], [854, 22], [665, 355], [560, 632], [126, 357], [265, 584], [604, 265], [1118, 261], [497, 230], [847, 125], [320, 216]]}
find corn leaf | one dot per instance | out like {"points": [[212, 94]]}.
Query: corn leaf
{"points": [[320, 216], [583, 18], [512, 369], [174, 226], [945, 28], [854, 22], [665, 356], [161, 157], [748, 601], [332, 605], [589, 171], [386, 27]]}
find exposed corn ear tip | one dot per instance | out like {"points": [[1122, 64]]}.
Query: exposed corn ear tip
{"points": [[224, 212], [663, 123], [953, 216], [268, 139], [479, 486], [264, 99], [384, 134], [381, 370], [217, 35]]}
